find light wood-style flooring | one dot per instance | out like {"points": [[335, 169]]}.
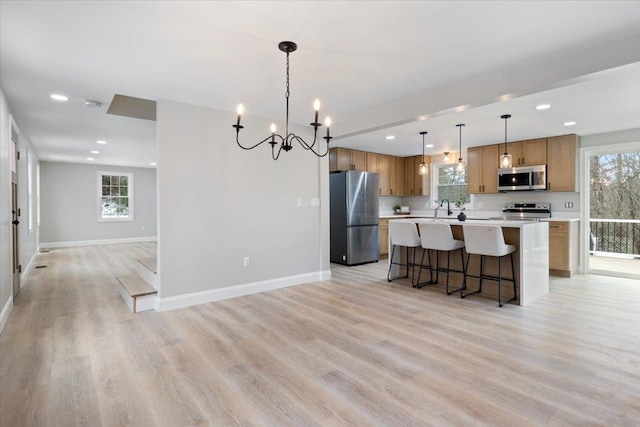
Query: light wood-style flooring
{"points": [[355, 350]]}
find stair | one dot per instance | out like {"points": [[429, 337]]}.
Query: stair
{"points": [[139, 291]]}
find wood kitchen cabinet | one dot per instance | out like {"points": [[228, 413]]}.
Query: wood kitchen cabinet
{"points": [[482, 169], [562, 155], [422, 184], [344, 159], [384, 236], [396, 176], [563, 248], [528, 153], [380, 164]]}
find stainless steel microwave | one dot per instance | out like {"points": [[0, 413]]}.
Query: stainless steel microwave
{"points": [[522, 178]]}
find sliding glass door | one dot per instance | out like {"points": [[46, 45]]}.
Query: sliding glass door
{"points": [[613, 242]]}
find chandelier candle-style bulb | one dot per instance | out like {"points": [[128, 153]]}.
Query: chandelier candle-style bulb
{"points": [[240, 110], [316, 107], [285, 140], [327, 123]]}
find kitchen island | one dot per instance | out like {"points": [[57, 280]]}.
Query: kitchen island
{"points": [[531, 259]]}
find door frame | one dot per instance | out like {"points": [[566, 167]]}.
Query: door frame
{"points": [[15, 209], [585, 200]]}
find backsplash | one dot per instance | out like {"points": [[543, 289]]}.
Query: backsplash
{"points": [[492, 203]]}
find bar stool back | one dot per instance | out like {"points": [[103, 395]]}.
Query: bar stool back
{"points": [[437, 236], [488, 240], [403, 234]]}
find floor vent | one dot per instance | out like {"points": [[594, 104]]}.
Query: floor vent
{"points": [[41, 266], [44, 251]]}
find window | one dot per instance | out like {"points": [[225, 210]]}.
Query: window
{"points": [[447, 183], [115, 196]]}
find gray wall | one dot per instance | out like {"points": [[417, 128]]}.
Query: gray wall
{"points": [[219, 203], [69, 204]]}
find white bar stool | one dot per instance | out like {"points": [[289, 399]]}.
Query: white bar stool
{"points": [[403, 234], [438, 236], [488, 240]]}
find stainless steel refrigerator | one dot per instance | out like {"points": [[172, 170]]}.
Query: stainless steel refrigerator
{"points": [[354, 217]]}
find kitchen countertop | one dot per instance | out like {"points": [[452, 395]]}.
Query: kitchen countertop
{"points": [[454, 221], [471, 218]]}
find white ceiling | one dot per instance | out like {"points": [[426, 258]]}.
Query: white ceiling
{"points": [[374, 65]]}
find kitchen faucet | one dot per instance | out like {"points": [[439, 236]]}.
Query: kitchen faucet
{"points": [[449, 211]]}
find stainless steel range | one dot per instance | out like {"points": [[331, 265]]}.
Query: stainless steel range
{"points": [[526, 211]]}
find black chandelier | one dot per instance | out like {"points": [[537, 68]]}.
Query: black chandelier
{"points": [[286, 141]]}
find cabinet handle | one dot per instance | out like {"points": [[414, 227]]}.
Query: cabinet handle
{"points": [[379, 190], [391, 191], [554, 226], [523, 160]]}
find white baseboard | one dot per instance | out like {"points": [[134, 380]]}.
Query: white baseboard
{"points": [[52, 245], [195, 298], [4, 315], [28, 268]]}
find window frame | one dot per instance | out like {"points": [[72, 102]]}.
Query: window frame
{"points": [[130, 195], [435, 174]]}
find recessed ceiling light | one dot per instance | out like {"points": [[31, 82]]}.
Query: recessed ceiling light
{"points": [[95, 152], [428, 146], [153, 164], [100, 141], [569, 123], [543, 107], [58, 97], [390, 137], [92, 104], [90, 159]]}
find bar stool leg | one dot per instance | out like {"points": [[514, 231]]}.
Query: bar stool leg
{"points": [[499, 281], [393, 249], [466, 269], [513, 277]]}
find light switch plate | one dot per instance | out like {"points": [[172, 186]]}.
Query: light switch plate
{"points": [[298, 202]]}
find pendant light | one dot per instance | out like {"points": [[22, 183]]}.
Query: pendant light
{"points": [[424, 170], [460, 166], [505, 159]]}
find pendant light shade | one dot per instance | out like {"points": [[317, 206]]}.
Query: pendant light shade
{"points": [[505, 159], [423, 169], [460, 165]]}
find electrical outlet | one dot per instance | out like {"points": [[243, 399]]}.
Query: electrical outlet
{"points": [[299, 201], [246, 262], [142, 227], [315, 201]]}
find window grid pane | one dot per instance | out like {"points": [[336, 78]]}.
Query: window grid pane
{"points": [[115, 200]]}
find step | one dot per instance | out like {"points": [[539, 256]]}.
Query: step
{"points": [[137, 293], [147, 269]]}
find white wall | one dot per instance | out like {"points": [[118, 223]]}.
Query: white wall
{"points": [[218, 204], [68, 196], [27, 241]]}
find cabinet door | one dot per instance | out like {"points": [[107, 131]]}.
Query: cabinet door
{"points": [[384, 236], [339, 159], [383, 174], [534, 152], [474, 170], [490, 160], [399, 177], [359, 160], [393, 176], [558, 250], [421, 182], [515, 149], [372, 162], [408, 176], [561, 163]]}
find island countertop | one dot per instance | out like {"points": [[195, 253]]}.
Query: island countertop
{"points": [[531, 258]]}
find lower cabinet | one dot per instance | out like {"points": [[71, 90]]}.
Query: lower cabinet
{"points": [[384, 236], [563, 248]]}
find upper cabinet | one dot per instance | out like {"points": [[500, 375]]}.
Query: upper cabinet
{"points": [[414, 183], [482, 169], [562, 156], [528, 153], [343, 159]]}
